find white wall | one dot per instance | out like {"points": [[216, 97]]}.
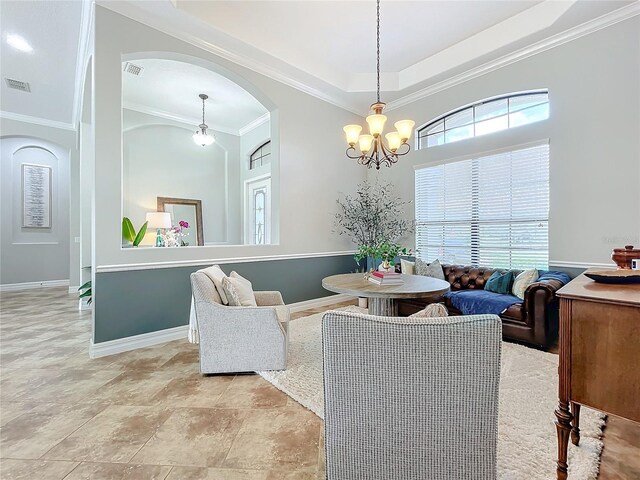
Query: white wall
{"points": [[309, 148], [163, 161], [594, 125], [35, 255]]}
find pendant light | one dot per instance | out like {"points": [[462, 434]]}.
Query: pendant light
{"points": [[201, 137], [373, 150]]}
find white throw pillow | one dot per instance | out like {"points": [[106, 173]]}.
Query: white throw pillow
{"points": [[522, 281], [433, 310], [239, 291], [433, 269], [216, 275], [407, 267]]}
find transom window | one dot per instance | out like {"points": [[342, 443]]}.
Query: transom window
{"points": [[491, 211], [260, 156], [485, 117]]}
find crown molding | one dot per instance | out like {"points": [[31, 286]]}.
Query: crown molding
{"points": [[192, 122], [18, 117], [251, 62], [82, 55], [255, 124], [569, 35], [244, 60]]}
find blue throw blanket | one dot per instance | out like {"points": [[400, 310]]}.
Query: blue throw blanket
{"points": [[550, 275], [474, 302]]}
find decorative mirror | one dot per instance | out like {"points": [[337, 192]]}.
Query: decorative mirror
{"points": [[184, 210]]}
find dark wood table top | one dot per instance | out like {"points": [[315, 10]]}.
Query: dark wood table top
{"points": [[414, 286], [584, 288]]}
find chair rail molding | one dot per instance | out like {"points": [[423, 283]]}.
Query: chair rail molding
{"points": [[220, 261]]}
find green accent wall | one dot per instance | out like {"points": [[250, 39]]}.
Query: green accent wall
{"points": [[134, 302]]}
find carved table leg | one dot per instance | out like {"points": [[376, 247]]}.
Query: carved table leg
{"points": [[575, 430], [563, 427], [563, 415]]}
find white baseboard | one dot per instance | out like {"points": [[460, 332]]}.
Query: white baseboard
{"points": [[83, 304], [319, 302], [150, 339], [11, 287]]}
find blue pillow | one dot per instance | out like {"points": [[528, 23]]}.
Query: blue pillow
{"points": [[499, 282]]}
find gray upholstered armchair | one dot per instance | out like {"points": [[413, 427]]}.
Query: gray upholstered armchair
{"points": [[411, 398], [239, 339]]}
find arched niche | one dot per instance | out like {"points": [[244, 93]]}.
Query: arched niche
{"points": [[160, 113]]}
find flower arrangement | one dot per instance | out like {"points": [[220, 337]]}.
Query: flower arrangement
{"points": [[174, 236]]}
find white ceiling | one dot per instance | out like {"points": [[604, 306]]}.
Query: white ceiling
{"points": [[337, 38], [323, 47], [52, 28], [170, 89], [327, 48]]}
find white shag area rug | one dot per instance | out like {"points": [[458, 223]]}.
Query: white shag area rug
{"points": [[527, 448]]}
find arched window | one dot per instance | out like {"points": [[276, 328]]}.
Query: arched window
{"points": [[260, 156], [486, 116]]}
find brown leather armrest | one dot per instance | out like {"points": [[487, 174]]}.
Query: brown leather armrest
{"points": [[538, 298], [543, 289]]}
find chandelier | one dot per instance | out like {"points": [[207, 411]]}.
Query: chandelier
{"points": [[373, 151], [201, 137]]}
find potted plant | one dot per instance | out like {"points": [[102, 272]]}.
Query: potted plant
{"points": [[129, 235], [374, 220], [86, 292]]}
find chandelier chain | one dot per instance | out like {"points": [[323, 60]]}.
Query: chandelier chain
{"points": [[378, 46], [203, 111]]}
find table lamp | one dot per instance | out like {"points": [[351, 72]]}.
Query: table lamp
{"points": [[158, 220]]}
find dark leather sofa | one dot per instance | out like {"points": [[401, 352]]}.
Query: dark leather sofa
{"points": [[533, 322]]}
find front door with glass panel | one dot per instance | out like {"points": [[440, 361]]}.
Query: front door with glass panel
{"points": [[258, 211]]}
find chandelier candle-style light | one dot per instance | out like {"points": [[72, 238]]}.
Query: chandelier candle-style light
{"points": [[201, 137], [373, 150]]}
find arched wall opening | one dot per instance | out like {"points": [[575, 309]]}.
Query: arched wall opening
{"points": [[161, 110]]}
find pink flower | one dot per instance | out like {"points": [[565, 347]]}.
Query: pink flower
{"points": [[184, 224]]}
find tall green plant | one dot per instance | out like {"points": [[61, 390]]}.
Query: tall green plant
{"points": [[374, 220], [129, 233], [88, 292]]}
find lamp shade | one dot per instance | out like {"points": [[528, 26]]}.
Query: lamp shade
{"points": [[158, 220], [376, 123], [353, 132], [393, 140], [203, 138], [365, 142], [405, 128]]}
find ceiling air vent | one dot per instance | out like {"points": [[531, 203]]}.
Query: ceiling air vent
{"points": [[132, 68], [17, 84]]}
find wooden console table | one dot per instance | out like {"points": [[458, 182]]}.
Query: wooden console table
{"points": [[599, 356]]}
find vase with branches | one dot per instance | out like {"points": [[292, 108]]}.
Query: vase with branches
{"points": [[373, 219]]}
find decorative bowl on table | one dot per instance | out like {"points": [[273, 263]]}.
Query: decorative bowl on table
{"points": [[620, 276], [623, 256]]}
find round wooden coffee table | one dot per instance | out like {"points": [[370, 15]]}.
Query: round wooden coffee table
{"points": [[383, 298]]}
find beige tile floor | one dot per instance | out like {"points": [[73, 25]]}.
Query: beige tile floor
{"points": [[148, 414]]}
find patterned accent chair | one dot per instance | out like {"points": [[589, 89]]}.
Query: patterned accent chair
{"points": [[411, 398], [239, 339]]}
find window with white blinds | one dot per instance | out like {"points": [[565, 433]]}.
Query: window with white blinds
{"points": [[489, 211]]}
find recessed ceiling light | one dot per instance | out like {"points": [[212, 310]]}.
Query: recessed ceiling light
{"points": [[19, 43]]}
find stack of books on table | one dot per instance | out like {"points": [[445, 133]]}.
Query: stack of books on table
{"points": [[386, 278]]}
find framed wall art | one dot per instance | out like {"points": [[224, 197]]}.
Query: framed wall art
{"points": [[36, 196]]}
